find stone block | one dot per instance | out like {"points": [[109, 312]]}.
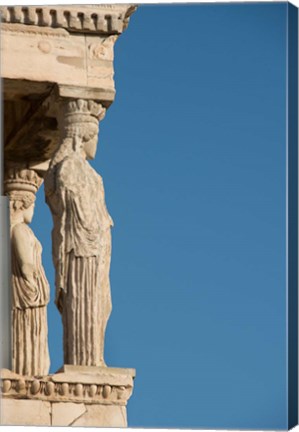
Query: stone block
{"points": [[65, 413], [25, 412], [103, 416], [95, 375]]}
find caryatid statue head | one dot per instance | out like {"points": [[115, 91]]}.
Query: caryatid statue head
{"points": [[21, 185], [79, 120]]}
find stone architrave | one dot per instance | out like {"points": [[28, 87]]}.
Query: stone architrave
{"points": [[81, 236], [30, 288]]}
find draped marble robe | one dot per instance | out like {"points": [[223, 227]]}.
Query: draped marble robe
{"points": [[29, 308], [81, 241]]}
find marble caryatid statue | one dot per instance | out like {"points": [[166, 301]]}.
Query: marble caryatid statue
{"points": [[81, 235], [30, 288]]}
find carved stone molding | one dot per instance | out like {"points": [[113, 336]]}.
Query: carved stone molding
{"points": [[102, 19], [110, 387]]}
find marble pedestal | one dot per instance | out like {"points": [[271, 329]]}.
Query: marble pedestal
{"points": [[74, 396]]}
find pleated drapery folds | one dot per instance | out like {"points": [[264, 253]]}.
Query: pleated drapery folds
{"points": [[30, 344], [86, 308], [81, 254], [29, 313]]}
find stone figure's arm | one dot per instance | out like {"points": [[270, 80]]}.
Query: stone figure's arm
{"points": [[24, 253], [102, 196], [70, 175], [79, 201], [61, 254], [55, 198], [58, 207]]}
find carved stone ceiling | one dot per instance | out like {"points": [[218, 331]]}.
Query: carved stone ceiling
{"points": [[50, 52]]}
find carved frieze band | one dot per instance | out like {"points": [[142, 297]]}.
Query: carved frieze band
{"points": [[107, 19], [45, 389]]}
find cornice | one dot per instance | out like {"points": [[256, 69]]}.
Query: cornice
{"points": [[99, 19]]}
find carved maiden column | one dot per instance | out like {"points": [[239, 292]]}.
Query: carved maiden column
{"points": [[81, 235], [30, 288]]}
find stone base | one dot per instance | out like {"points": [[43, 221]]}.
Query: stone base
{"points": [[75, 396], [23, 412]]}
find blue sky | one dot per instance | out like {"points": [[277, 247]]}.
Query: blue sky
{"points": [[192, 153]]}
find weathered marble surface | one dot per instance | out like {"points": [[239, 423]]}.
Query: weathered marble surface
{"points": [[65, 45], [101, 18], [58, 81], [25, 412], [30, 288], [49, 53], [76, 396], [81, 236]]}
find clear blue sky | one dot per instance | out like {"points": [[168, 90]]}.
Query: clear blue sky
{"points": [[192, 153]]}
